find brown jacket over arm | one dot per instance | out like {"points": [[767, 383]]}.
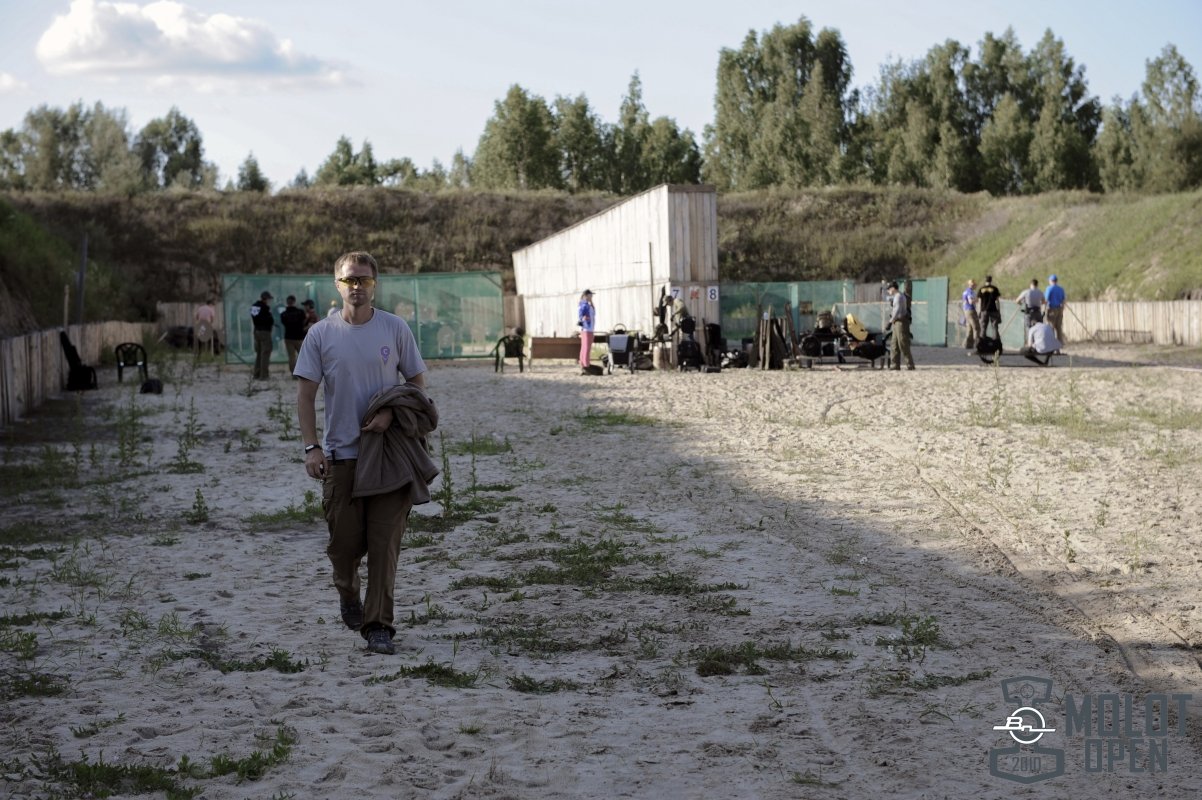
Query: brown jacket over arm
{"points": [[399, 455]]}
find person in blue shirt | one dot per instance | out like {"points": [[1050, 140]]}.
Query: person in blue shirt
{"points": [[586, 319], [1054, 295], [972, 322]]}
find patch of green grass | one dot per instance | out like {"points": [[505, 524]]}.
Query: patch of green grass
{"points": [[443, 675], [591, 420], [93, 728], [1170, 418], [538, 638], [31, 553], [255, 765], [616, 516], [504, 537], [903, 680], [31, 532], [54, 467], [673, 583], [809, 778], [723, 605], [580, 563], [424, 524], [496, 584], [100, 778], [30, 684], [22, 644], [279, 660], [309, 510], [529, 685], [31, 618], [728, 660], [486, 445], [918, 633], [422, 540], [195, 576]]}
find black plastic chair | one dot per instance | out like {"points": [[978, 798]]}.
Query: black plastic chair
{"points": [[132, 354], [512, 346]]}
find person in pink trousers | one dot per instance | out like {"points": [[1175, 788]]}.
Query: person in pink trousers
{"points": [[586, 319]]}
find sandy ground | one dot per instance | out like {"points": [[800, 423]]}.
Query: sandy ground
{"points": [[752, 584]]}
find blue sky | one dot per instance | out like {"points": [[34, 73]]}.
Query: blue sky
{"points": [[285, 79]]}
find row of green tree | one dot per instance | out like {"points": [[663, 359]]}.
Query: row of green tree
{"points": [[1005, 121]]}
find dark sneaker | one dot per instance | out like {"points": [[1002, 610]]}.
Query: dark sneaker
{"points": [[379, 641], [352, 614]]}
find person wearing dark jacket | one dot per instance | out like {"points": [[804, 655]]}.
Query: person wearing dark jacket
{"points": [[263, 322], [371, 459], [990, 299], [899, 323], [293, 320]]}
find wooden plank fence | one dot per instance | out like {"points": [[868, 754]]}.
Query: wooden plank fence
{"points": [[1172, 322], [33, 367], [171, 315]]}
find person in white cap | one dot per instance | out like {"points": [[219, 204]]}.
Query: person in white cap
{"points": [[1054, 295]]}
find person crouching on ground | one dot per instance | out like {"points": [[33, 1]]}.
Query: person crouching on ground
{"points": [[899, 321], [1041, 341], [586, 320], [372, 461]]}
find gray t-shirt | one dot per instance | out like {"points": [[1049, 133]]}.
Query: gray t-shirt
{"points": [[355, 362]]}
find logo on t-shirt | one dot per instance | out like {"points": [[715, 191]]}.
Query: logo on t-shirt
{"points": [[385, 352]]}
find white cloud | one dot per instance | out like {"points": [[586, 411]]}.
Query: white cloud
{"points": [[172, 43], [9, 84]]}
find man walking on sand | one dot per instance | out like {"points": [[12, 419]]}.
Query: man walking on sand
{"points": [[372, 460]]}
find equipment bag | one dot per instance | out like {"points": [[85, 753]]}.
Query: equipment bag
{"points": [[987, 346]]}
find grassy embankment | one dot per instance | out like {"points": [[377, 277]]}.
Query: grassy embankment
{"points": [[176, 245]]}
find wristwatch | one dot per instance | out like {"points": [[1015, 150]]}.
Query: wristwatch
{"points": [[309, 447]]}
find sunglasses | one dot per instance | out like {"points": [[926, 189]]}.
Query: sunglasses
{"points": [[355, 282]]}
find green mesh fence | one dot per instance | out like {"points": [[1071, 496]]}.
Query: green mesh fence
{"points": [[452, 314], [742, 303], [928, 311]]}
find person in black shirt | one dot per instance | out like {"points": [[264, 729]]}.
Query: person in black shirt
{"points": [[263, 321], [293, 320], [991, 307]]}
